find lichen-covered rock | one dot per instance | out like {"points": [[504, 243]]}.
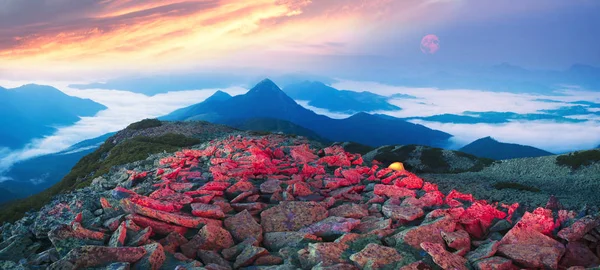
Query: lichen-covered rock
{"points": [[458, 240], [427, 232], [249, 255], [327, 254], [578, 254], [402, 213], [93, 256], [331, 226], [579, 228], [444, 258], [242, 226], [531, 248], [376, 256], [15, 247], [207, 210], [153, 259], [140, 238], [118, 237], [173, 241], [274, 241], [349, 210], [291, 216], [210, 237], [187, 221], [213, 257], [483, 251], [494, 263]]}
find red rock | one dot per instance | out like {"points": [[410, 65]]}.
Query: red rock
{"points": [[427, 232], [540, 220], [331, 226], [349, 210], [153, 259], [579, 228], [578, 254], [494, 263], [393, 191], [118, 237], [240, 186], [327, 254], [369, 224], [268, 260], [203, 199], [187, 221], [270, 186], [93, 256], [242, 226], [531, 248], [141, 237], [291, 216], [458, 240], [300, 189], [443, 258], [352, 175], [411, 181], [156, 225], [376, 256], [248, 256], [403, 213], [451, 198], [105, 204], [253, 207], [207, 210], [173, 241], [210, 237]]}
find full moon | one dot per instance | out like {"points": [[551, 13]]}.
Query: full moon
{"points": [[430, 44]]}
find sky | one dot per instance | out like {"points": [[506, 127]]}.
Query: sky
{"points": [[61, 42], [92, 39]]}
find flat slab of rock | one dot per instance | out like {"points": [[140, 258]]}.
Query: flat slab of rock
{"points": [[427, 232], [153, 259], [349, 210], [331, 226], [444, 258], [579, 228], [93, 256], [187, 221], [403, 213], [207, 210], [274, 241], [291, 216], [376, 256], [210, 237], [531, 248], [242, 226]]}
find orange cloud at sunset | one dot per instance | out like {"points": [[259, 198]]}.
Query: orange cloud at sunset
{"points": [[128, 34]]}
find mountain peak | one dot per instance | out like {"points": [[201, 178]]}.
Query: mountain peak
{"points": [[265, 85], [219, 96]]}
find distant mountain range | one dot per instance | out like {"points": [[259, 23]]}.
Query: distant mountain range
{"points": [[503, 77], [322, 96], [490, 148], [37, 174], [267, 100], [497, 117], [33, 111]]}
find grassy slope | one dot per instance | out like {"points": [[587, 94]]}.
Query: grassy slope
{"points": [[98, 163]]}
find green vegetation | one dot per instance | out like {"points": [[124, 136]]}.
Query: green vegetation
{"points": [[387, 155], [357, 148], [434, 159], [515, 185], [577, 159], [144, 124], [97, 164]]}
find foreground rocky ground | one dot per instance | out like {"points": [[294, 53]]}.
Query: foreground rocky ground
{"points": [[276, 202]]}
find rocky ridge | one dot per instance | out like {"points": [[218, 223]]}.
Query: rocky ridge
{"points": [[275, 202]]}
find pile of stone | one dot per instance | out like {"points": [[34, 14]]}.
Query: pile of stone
{"points": [[275, 202]]}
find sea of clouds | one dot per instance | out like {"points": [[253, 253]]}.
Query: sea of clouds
{"points": [[127, 107]]}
